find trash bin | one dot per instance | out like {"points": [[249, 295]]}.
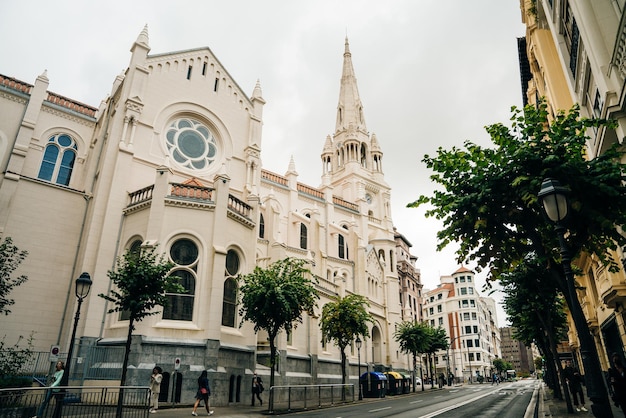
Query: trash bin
{"points": [[395, 383], [406, 383], [374, 384]]}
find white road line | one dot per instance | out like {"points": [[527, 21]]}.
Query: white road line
{"points": [[416, 401], [379, 409], [449, 408]]}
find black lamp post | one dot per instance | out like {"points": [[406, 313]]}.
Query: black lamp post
{"points": [[83, 285], [358, 343], [553, 197]]}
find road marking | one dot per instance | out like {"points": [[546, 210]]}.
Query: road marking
{"points": [[449, 408], [416, 401], [379, 409]]}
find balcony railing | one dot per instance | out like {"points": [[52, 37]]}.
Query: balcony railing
{"points": [[239, 207], [345, 204], [140, 196], [191, 191]]}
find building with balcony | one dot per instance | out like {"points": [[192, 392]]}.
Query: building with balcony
{"points": [[573, 52], [470, 322], [410, 280], [172, 159]]}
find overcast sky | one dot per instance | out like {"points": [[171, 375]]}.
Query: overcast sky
{"points": [[430, 73]]}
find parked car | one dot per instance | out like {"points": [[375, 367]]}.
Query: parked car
{"points": [[418, 381]]}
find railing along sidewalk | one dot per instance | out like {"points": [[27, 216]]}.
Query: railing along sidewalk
{"points": [[300, 397], [77, 401]]}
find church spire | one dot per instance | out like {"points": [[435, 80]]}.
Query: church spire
{"points": [[349, 109]]}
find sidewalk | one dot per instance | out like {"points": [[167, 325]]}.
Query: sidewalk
{"points": [[556, 408], [235, 411]]}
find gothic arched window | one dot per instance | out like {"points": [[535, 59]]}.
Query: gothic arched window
{"points": [[58, 160]]}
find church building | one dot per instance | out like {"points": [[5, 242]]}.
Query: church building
{"points": [[172, 159]]}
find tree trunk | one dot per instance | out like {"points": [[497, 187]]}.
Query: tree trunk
{"points": [[415, 370], [120, 399], [343, 372], [272, 337]]}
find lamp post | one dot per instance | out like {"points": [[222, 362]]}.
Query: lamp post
{"points": [[555, 204], [358, 343], [83, 285], [469, 362]]}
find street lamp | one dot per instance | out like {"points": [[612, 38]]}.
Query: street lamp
{"points": [[83, 285], [555, 204], [469, 362], [358, 343]]}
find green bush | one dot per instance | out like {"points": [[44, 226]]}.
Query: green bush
{"points": [[13, 358]]}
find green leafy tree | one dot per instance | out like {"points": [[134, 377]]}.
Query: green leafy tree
{"points": [[10, 259], [274, 299], [488, 197], [536, 310], [12, 357], [141, 279], [488, 203], [342, 320], [414, 340], [12, 360], [437, 339], [499, 365]]}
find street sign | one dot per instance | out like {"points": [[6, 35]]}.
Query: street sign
{"points": [[54, 353], [177, 363]]}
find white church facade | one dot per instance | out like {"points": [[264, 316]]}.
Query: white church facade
{"points": [[172, 158]]}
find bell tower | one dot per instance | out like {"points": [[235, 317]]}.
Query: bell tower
{"points": [[352, 158]]}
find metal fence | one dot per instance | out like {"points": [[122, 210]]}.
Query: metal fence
{"points": [[74, 401], [301, 397], [91, 363]]}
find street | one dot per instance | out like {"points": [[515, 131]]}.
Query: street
{"points": [[507, 400]]}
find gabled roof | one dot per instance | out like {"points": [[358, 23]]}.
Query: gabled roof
{"points": [[463, 269]]}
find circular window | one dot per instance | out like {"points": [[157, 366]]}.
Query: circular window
{"points": [[191, 144], [232, 262], [184, 252]]}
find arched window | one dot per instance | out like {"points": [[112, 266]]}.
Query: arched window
{"points": [[303, 236], [363, 156], [58, 160], [342, 246], [183, 253], [261, 226], [229, 303]]}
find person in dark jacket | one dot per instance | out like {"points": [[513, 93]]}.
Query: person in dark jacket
{"points": [[257, 388], [203, 394], [575, 383], [617, 377]]}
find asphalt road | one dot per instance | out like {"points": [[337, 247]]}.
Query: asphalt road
{"points": [[507, 400]]}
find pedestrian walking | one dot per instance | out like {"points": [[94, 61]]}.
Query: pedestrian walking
{"points": [[155, 388], [575, 383], [203, 394], [617, 377], [55, 380], [257, 388], [495, 379]]}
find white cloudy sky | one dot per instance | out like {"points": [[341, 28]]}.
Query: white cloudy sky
{"points": [[430, 73]]}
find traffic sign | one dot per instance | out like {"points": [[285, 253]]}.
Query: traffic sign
{"points": [[54, 353]]}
